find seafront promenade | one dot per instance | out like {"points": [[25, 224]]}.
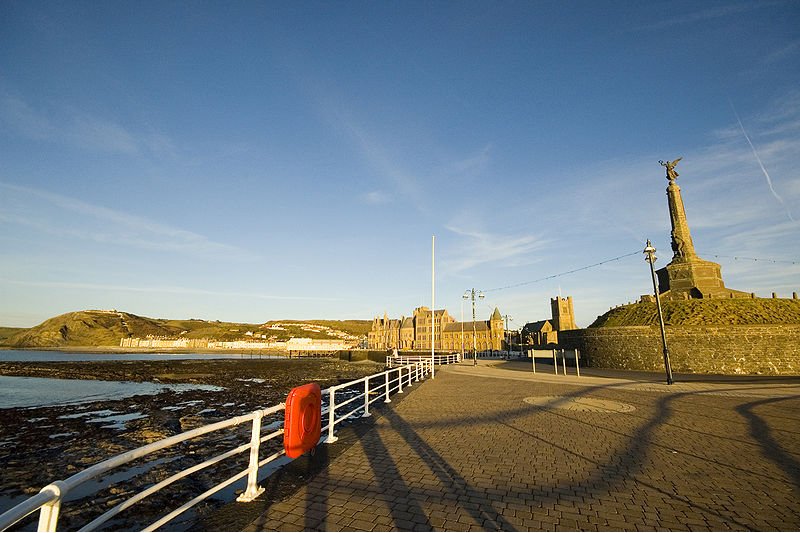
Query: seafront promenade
{"points": [[496, 447]]}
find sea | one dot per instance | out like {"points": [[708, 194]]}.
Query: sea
{"points": [[52, 355], [42, 392]]}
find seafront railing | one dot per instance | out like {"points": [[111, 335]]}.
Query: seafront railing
{"points": [[356, 396], [445, 359]]}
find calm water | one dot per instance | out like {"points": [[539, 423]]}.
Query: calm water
{"points": [[45, 355], [38, 392]]}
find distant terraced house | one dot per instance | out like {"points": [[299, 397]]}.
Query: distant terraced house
{"points": [[414, 332]]}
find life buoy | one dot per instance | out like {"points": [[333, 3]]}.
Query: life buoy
{"points": [[303, 422]]}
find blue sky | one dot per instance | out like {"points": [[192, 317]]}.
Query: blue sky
{"points": [[251, 161]]}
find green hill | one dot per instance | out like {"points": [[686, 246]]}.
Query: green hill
{"points": [[705, 312], [85, 328], [106, 328], [6, 333]]}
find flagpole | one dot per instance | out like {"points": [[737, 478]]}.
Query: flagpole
{"points": [[433, 305]]}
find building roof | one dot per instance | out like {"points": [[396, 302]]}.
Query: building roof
{"points": [[481, 325], [536, 326], [496, 315]]}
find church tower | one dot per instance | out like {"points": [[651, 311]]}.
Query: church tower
{"points": [[563, 314], [496, 330]]}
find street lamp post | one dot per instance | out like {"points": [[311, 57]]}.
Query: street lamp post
{"points": [[650, 252], [506, 334], [471, 295], [463, 297]]}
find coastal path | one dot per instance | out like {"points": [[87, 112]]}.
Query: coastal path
{"points": [[496, 447]]}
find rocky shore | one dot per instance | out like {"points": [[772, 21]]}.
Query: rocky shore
{"points": [[42, 444]]}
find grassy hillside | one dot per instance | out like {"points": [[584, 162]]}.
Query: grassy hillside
{"points": [[85, 328], [6, 333], [106, 328], [705, 312]]}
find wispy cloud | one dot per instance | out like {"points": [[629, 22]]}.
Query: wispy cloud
{"points": [[790, 49], [378, 157], [96, 134], [20, 116], [69, 217], [375, 198], [161, 290], [77, 128], [466, 166], [704, 15], [396, 176], [481, 247]]}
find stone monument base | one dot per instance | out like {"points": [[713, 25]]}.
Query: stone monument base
{"points": [[690, 278]]}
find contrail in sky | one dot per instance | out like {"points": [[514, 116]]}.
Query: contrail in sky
{"points": [[764, 170]]}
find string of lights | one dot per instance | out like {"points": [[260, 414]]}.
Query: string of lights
{"points": [[738, 257], [587, 267]]}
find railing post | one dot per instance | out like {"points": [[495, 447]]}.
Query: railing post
{"points": [[400, 380], [331, 416], [366, 398], [577, 364], [253, 490], [387, 400], [48, 514]]}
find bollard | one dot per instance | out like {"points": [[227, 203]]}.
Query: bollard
{"points": [[577, 364], [555, 362], [564, 361], [533, 360]]}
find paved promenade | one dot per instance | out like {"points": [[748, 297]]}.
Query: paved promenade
{"points": [[496, 447]]}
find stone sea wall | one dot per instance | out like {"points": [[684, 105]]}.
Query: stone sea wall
{"points": [[744, 349]]}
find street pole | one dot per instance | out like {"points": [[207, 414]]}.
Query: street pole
{"points": [[651, 258], [474, 333], [433, 306], [507, 336], [463, 297]]}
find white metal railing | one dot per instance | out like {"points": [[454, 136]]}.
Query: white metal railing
{"points": [[358, 394], [446, 359]]}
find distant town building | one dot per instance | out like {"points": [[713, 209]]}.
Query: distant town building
{"points": [[415, 332], [544, 332]]}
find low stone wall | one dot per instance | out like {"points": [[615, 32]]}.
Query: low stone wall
{"points": [[377, 356], [750, 349]]}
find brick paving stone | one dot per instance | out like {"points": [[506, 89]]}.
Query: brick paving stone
{"points": [[362, 525], [687, 457]]}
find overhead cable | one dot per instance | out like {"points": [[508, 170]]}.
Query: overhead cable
{"points": [[587, 267]]}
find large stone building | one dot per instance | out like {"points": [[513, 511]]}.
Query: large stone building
{"points": [[415, 332]]}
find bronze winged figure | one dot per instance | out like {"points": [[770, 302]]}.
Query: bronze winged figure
{"points": [[670, 166]]}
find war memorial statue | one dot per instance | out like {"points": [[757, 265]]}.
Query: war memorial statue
{"points": [[687, 276]]}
